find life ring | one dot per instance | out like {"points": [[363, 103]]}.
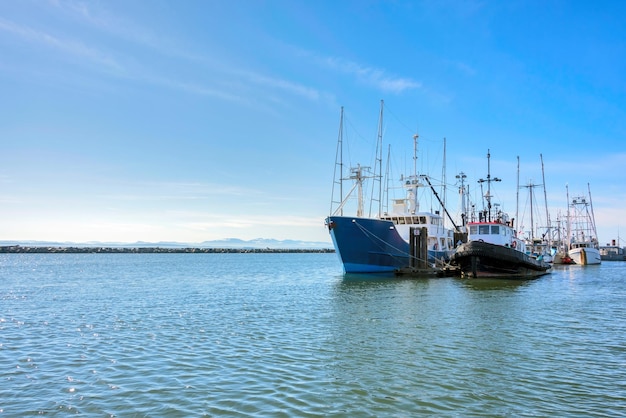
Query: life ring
{"points": [[514, 244]]}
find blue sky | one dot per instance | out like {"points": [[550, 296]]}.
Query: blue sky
{"points": [[198, 120]]}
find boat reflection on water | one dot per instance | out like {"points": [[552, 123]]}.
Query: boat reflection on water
{"points": [[494, 284]]}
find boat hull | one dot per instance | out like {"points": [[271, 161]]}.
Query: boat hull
{"points": [[476, 259], [370, 245], [561, 258], [585, 255], [612, 253], [613, 257]]}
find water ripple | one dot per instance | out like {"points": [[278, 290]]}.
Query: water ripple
{"points": [[265, 335]]}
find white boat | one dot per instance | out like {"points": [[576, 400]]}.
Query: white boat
{"points": [[582, 239], [613, 252]]}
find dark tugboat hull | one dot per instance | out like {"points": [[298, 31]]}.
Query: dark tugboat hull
{"points": [[476, 259]]}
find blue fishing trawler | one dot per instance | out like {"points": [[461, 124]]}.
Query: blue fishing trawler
{"points": [[380, 243]]}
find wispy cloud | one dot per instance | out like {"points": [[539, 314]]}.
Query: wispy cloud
{"points": [[226, 83], [99, 18], [199, 89], [83, 52], [111, 24], [234, 85], [375, 77], [68, 46], [281, 84], [463, 67]]}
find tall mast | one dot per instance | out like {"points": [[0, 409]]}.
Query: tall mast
{"points": [[593, 217], [488, 181], [532, 219], [545, 199], [530, 186], [517, 196], [443, 175], [378, 165], [569, 219], [415, 137], [414, 179], [558, 230], [386, 189], [338, 179]]}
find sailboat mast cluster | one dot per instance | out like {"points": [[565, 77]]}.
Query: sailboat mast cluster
{"points": [[485, 243]]}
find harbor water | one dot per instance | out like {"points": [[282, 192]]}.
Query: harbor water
{"points": [[286, 335]]}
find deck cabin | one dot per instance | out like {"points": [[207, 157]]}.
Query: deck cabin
{"points": [[404, 218], [497, 233]]}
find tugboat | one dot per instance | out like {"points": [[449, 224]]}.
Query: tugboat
{"points": [[493, 249]]}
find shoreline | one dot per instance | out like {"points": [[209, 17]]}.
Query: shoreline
{"points": [[18, 249]]}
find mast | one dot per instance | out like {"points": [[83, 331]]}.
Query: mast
{"points": [[443, 183], [532, 219], [558, 230], [488, 181], [386, 189], [378, 165], [415, 137], [338, 179], [517, 193], [593, 217], [545, 199], [414, 183], [461, 176], [569, 220], [530, 186], [357, 175]]}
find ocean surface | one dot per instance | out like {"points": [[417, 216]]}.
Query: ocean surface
{"points": [[287, 335]]}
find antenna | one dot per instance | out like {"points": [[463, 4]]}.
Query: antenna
{"points": [[461, 177], [415, 137]]}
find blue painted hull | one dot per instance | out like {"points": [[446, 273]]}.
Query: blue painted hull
{"points": [[367, 245]]}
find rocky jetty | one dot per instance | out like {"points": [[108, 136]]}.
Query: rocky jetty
{"points": [[147, 250]]}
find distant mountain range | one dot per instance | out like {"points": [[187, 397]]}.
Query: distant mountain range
{"points": [[222, 243]]}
